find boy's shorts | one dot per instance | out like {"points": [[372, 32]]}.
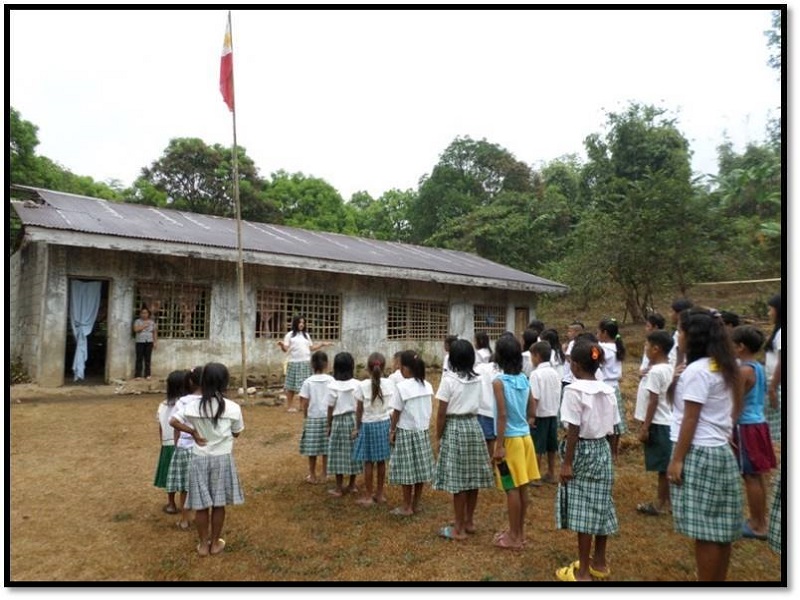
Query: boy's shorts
{"points": [[487, 425], [545, 434], [658, 449]]}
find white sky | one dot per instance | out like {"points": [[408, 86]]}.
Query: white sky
{"points": [[368, 100]]}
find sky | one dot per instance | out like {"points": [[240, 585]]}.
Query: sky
{"points": [[368, 100]]}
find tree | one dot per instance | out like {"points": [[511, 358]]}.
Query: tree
{"points": [[309, 203], [384, 218]]}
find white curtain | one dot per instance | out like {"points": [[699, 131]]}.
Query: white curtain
{"points": [[84, 299]]}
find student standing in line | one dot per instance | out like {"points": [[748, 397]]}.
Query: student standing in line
{"points": [[342, 397], [772, 362], [448, 340], [314, 441], [299, 346], [483, 349], [653, 322], [176, 387], [614, 353], [546, 391]]}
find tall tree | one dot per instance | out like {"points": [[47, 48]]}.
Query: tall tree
{"points": [[309, 203], [384, 218]]}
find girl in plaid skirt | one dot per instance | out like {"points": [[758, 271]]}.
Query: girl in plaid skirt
{"points": [[411, 462], [372, 427], [298, 368], [583, 501], [613, 353], [314, 441], [463, 464], [704, 479], [343, 393], [176, 387]]}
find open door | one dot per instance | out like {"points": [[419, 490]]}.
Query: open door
{"points": [[521, 319], [96, 333]]}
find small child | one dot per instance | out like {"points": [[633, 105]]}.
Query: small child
{"points": [[611, 372], [546, 391], [583, 501], [655, 413], [314, 441], [653, 322], [483, 349], [755, 454], [411, 462], [514, 454], [373, 413], [341, 399], [574, 329], [463, 465], [176, 387], [486, 410], [529, 338], [213, 478], [447, 343]]}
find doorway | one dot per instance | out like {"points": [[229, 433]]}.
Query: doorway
{"points": [[521, 319], [96, 341]]}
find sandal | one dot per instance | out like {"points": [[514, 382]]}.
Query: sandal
{"points": [[747, 532], [647, 508], [566, 573], [203, 548], [448, 532], [592, 571], [220, 543]]}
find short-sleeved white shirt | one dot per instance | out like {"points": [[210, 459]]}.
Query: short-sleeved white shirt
{"points": [[527, 363], [219, 439], [163, 415], [611, 368], [343, 395], [487, 373], [592, 406], [771, 356], [377, 410], [702, 382], [462, 396], [415, 400], [672, 357], [546, 389], [396, 377], [185, 440], [482, 355], [299, 346], [645, 363], [656, 380], [567, 376], [315, 388]]}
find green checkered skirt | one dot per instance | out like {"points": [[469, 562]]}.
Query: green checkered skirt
{"points": [[178, 473], [774, 536], [162, 468], [464, 462], [296, 374], [314, 442], [412, 457], [622, 427], [773, 416], [707, 505], [213, 481], [340, 446], [584, 504]]}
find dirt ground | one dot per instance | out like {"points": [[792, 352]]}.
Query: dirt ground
{"points": [[83, 509]]}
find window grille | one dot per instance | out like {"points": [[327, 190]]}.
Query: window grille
{"points": [[417, 320], [491, 319], [275, 310], [180, 310]]}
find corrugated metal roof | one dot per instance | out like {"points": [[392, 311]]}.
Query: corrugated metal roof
{"points": [[70, 212]]}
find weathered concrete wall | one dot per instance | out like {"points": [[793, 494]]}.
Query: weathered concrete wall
{"points": [[363, 303], [27, 283]]}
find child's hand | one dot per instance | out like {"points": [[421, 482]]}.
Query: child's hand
{"points": [[499, 453], [644, 435], [198, 439], [392, 434], [354, 434], [675, 472], [773, 398], [566, 473]]}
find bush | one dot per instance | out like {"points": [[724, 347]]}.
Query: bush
{"points": [[19, 374]]}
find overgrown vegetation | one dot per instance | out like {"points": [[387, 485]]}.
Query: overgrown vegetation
{"points": [[19, 374]]}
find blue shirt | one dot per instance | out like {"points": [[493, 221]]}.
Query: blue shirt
{"points": [[517, 390], [753, 404]]}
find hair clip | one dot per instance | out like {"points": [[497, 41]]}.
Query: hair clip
{"points": [[595, 353], [618, 337]]}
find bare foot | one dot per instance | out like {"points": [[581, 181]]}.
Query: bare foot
{"points": [[202, 548], [351, 490], [311, 479], [365, 501], [336, 493], [380, 499], [217, 547], [401, 512]]}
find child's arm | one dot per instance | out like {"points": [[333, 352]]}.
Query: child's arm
{"points": [[500, 399], [184, 427], [441, 416], [569, 452], [691, 415], [774, 383], [330, 421], [393, 424], [652, 405], [359, 416], [533, 404], [304, 406]]}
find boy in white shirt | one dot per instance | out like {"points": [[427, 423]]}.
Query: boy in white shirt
{"points": [[655, 413], [546, 392]]}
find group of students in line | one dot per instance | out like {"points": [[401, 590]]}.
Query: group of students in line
{"points": [[498, 414]]}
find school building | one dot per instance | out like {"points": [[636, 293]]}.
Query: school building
{"points": [[88, 265]]}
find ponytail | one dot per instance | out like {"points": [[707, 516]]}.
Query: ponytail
{"points": [[612, 329], [214, 382], [376, 363]]}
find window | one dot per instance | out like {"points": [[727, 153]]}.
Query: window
{"points": [[180, 310], [275, 310], [491, 319], [417, 320]]}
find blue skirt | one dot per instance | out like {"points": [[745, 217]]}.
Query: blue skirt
{"points": [[372, 443]]}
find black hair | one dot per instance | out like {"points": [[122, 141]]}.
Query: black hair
{"points": [[657, 320], [551, 337], [662, 339], [707, 336], [462, 359], [529, 338], [296, 326], [508, 355], [448, 341], [730, 318], [775, 302], [482, 340], [214, 382], [609, 325], [578, 324], [543, 350], [319, 360], [376, 363], [536, 325], [343, 365], [176, 386], [587, 354], [681, 304], [752, 337], [412, 361], [586, 335], [194, 379]]}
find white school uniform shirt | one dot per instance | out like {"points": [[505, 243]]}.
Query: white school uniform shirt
{"points": [[446, 362], [482, 356], [219, 438], [611, 369], [343, 395], [396, 377], [546, 388], [672, 357], [771, 356], [527, 363], [567, 376], [656, 380], [185, 440], [299, 347], [415, 400], [487, 373], [646, 362], [592, 406], [315, 388], [462, 395], [377, 410], [702, 382], [163, 415]]}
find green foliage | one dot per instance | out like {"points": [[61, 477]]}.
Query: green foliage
{"points": [[309, 203], [19, 374], [774, 41], [384, 218]]}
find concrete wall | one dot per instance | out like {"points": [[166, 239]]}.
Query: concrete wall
{"points": [[27, 278], [363, 311]]}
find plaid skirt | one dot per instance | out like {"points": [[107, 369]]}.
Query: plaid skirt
{"points": [[412, 457], [314, 442], [584, 504], [622, 427], [178, 473], [707, 505], [296, 374], [340, 446], [162, 468], [213, 481], [372, 443], [464, 462], [774, 535], [773, 416]]}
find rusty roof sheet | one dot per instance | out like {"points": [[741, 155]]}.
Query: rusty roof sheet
{"points": [[70, 212]]}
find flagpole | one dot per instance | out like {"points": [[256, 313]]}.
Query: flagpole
{"points": [[240, 262]]}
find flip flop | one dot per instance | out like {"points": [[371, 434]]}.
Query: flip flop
{"points": [[592, 571], [748, 532], [449, 533], [566, 573], [222, 547], [200, 548], [647, 508]]}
